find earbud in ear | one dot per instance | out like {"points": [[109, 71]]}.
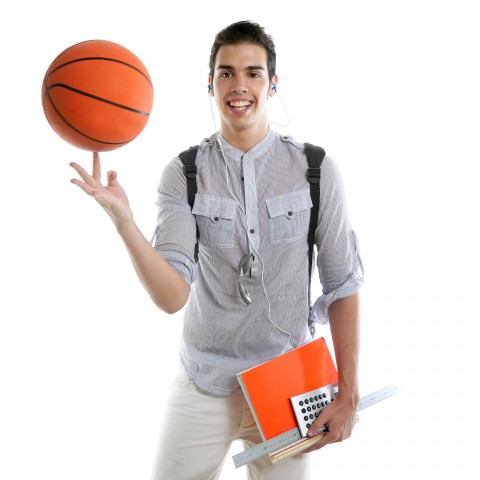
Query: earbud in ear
{"points": [[274, 87], [209, 88]]}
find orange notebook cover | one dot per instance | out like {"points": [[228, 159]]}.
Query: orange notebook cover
{"points": [[269, 386]]}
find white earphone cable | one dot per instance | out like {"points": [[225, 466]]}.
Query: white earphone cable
{"points": [[249, 244]]}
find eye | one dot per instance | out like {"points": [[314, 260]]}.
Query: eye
{"points": [[255, 75], [225, 75]]}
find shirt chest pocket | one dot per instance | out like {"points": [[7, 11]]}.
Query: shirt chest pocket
{"points": [[215, 218], [289, 216]]}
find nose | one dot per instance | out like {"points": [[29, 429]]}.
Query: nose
{"points": [[239, 84]]}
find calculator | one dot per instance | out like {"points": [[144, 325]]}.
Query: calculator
{"points": [[307, 406]]}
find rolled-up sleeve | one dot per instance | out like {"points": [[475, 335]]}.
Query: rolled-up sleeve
{"points": [[339, 262], [175, 234]]}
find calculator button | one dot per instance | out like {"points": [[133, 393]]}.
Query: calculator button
{"points": [[308, 406]]}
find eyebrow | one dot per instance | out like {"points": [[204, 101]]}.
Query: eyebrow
{"points": [[251, 67]]}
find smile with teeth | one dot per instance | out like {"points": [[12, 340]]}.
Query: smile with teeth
{"points": [[239, 105]]}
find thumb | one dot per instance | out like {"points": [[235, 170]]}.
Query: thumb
{"points": [[112, 179], [319, 425]]}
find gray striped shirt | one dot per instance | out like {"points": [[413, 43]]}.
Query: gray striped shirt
{"points": [[262, 195]]}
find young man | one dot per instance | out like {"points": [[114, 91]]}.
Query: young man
{"points": [[252, 211]]}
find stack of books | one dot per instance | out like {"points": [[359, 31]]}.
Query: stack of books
{"points": [[269, 386]]}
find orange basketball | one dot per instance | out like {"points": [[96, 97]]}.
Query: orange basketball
{"points": [[97, 95]]}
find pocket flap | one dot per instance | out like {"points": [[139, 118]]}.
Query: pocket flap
{"points": [[213, 207], [289, 204]]}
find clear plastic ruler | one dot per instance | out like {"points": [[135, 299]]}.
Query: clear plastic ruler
{"points": [[293, 439]]}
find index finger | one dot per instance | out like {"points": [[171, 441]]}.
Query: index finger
{"points": [[96, 169]]}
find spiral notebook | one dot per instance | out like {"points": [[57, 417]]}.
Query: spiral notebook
{"points": [[269, 386]]}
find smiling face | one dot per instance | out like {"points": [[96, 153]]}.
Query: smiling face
{"points": [[241, 88]]}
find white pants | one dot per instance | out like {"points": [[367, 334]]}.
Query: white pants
{"points": [[198, 431]]}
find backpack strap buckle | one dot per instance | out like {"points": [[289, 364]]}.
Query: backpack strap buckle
{"points": [[313, 174], [190, 171]]}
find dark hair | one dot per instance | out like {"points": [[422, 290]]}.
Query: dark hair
{"points": [[245, 32]]}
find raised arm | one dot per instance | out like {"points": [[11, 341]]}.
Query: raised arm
{"points": [[165, 285]]}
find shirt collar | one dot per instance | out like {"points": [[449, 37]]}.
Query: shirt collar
{"points": [[255, 152]]}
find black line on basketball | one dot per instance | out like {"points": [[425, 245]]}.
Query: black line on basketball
{"points": [[100, 99], [79, 131], [107, 59]]}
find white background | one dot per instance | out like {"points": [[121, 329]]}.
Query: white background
{"points": [[389, 88]]}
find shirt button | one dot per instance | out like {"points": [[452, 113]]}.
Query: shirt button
{"points": [[252, 231], [216, 219], [290, 214]]}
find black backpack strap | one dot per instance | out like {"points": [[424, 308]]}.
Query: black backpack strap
{"points": [[315, 156], [188, 158]]}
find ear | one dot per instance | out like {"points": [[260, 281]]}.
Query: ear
{"points": [[272, 90], [210, 84]]}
